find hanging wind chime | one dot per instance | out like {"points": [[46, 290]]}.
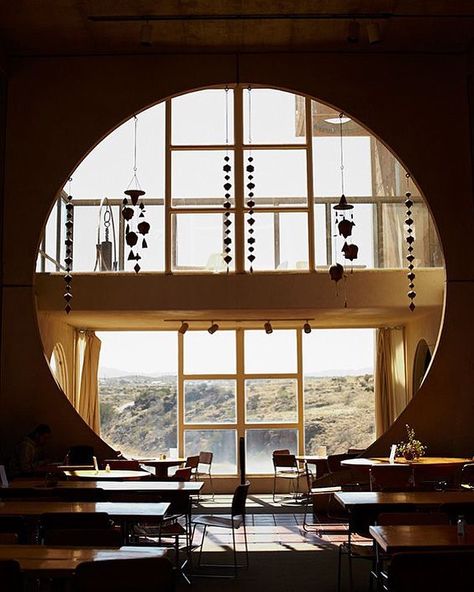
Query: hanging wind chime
{"points": [[227, 168], [250, 169], [68, 242], [129, 208], [344, 224], [410, 240]]}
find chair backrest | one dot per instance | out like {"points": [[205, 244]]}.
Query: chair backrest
{"points": [[192, 462], [9, 538], [10, 576], [125, 575], [183, 474], [80, 537], [431, 570], [467, 474], [411, 518], [284, 461], [81, 520], [282, 451], [239, 499], [205, 458], [391, 478], [80, 455], [429, 477]]}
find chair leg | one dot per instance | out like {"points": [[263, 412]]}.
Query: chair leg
{"points": [[202, 544], [274, 488], [235, 551], [339, 569], [211, 485], [246, 545]]}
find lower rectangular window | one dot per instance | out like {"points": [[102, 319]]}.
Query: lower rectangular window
{"points": [[222, 443], [262, 443]]}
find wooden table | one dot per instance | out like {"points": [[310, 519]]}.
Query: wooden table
{"points": [[424, 460], [39, 560], [320, 462], [395, 539], [107, 475], [351, 499], [161, 465], [192, 487]]}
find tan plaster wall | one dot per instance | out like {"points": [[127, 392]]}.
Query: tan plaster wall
{"points": [[59, 108]]}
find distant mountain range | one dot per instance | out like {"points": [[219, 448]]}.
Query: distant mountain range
{"points": [[105, 373]]}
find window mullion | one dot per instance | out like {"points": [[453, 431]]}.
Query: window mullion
{"points": [[170, 237], [309, 179]]}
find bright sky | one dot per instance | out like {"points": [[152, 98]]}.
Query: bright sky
{"points": [[347, 351]]}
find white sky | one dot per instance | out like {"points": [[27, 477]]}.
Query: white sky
{"points": [[344, 350]]}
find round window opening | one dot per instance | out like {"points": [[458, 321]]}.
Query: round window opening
{"points": [[231, 182]]}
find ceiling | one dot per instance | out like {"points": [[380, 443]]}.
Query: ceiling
{"points": [[84, 27]]}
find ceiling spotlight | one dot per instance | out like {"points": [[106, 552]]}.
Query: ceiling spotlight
{"points": [[184, 327], [307, 327], [213, 328], [146, 34], [373, 33], [353, 32], [268, 328]]}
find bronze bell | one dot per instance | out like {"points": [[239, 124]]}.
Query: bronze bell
{"points": [[343, 205], [336, 272], [134, 194], [345, 227], [350, 251]]}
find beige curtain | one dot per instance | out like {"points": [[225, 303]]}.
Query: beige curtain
{"points": [[391, 395], [58, 365], [86, 400]]}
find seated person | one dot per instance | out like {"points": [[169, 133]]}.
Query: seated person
{"points": [[29, 455]]}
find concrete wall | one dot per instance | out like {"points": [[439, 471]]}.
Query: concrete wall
{"points": [[58, 109]]}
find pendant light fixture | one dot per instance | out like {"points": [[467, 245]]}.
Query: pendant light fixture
{"points": [[227, 168], [250, 169], [68, 242], [130, 206]]}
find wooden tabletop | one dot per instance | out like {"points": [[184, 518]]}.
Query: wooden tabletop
{"points": [[424, 460], [120, 486], [153, 462], [119, 510], [350, 499], [112, 474], [394, 539], [41, 560]]}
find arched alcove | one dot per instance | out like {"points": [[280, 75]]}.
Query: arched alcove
{"points": [[421, 364], [85, 116]]}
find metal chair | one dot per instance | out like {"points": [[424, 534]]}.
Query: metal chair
{"points": [[285, 466], [234, 522], [203, 469], [183, 474]]}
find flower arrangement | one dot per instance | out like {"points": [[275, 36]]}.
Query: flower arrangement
{"points": [[413, 448]]}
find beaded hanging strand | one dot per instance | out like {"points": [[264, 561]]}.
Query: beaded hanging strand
{"points": [[227, 168], [69, 233], [410, 240], [250, 168]]}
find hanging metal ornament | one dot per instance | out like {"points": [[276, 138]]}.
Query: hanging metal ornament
{"points": [[410, 240], [250, 169], [227, 168], [133, 209], [345, 225], [68, 242], [106, 249]]}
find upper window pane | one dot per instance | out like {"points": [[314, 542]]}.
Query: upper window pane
{"points": [[327, 167], [198, 242], [107, 169], [199, 118], [209, 354], [277, 117], [278, 174], [274, 353], [198, 176]]}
